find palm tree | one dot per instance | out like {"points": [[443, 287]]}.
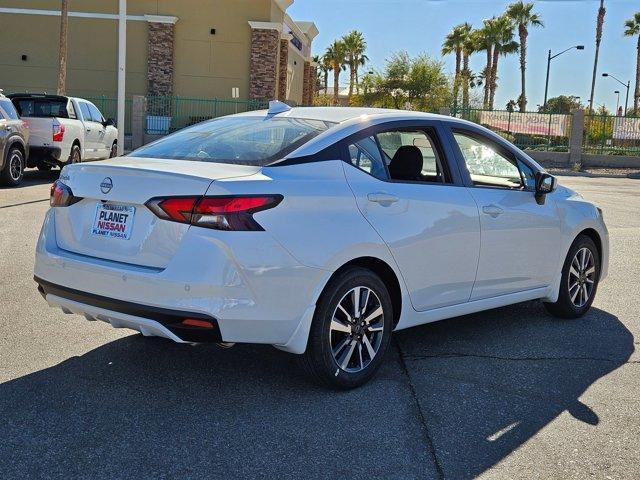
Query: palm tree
{"points": [[521, 14], [324, 66], [503, 44], [454, 43], [355, 46], [468, 48], [632, 28], [62, 47], [601, 12], [484, 40], [335, 54]]}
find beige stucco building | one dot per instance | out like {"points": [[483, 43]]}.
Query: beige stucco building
{"points": [[188, 48]]}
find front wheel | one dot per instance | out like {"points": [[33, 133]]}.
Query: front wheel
{"points": [[579, 282], [351, 330], [13, 170]]}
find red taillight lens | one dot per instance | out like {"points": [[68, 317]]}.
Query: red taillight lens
{"points": [[220, 213], [58, 132], [61, 195]]}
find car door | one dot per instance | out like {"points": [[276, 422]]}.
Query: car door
{"points": [[91, 132], [427, 218], [102, 149], [519, 236]]}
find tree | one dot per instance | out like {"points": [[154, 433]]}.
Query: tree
{"points": [[335, 55], [454, 43], [522, 15], [62, 48], [355, 47], [503, 44], [632, 29], [484, 39], [324, 66], [599, 25], [469, 47], [561, 104], [421, 81]]}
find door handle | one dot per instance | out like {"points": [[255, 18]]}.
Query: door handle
{"points": [[382, 198], [492, 210], [88, 129]]}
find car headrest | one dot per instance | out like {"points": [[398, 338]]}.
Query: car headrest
{"points": [[406, 164]]}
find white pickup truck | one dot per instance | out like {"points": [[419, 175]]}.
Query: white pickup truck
{"points": [[64, 130]]}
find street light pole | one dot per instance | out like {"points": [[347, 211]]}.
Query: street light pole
{"points": [[122, 73], [617, 100], [549, 58], [625, 85]]}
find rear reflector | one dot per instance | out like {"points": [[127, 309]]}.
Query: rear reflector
{"points": [[192, 322], [221, 213]]}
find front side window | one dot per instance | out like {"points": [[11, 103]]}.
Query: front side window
{"points": [[365, 155], [256, 141], [486, 165]]}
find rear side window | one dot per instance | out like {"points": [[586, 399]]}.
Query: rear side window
{"points": [[86, 114], [256, 141], [96, 116], [8, 110], [41, 107]]}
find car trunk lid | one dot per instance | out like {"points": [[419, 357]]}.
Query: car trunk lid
{"points": [[112, 222]]}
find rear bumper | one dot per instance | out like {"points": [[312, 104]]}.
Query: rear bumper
{"points": [[44, 154], [150, 321], [253, 289]]}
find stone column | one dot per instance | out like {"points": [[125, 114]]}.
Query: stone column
{"points": [[576, 137], [283, 66], [306, 84], [265, 46], [313, 75], [161, 41]]}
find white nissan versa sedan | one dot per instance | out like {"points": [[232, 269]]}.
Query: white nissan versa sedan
{"points": [[316, 230]]}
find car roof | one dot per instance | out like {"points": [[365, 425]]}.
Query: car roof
{"points": [[338, 114]]}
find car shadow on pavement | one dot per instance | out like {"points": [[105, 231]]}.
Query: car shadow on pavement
{"points": [[143, 407], [488, 382]]}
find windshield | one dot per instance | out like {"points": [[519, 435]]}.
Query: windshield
{"points": [[255, 141]]}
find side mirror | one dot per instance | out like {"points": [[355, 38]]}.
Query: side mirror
{"points": [[545, 183], [109, 122]]}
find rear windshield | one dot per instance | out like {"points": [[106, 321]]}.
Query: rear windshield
{"points": [[41, 107], [253, 141]]}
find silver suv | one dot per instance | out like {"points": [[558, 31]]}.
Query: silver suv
{"points": [[14, 143]]}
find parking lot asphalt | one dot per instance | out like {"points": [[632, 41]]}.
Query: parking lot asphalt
{"points": [[508, 393]]}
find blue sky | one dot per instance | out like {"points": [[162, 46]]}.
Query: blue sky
{"points": [[420, 26]]}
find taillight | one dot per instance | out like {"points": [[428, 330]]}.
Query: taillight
{"points": [[58, 132], [220, 213], [61, 195]]}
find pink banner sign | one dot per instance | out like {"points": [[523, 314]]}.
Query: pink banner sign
{"points": [[555, 125]]}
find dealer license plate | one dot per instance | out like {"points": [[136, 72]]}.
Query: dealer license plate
{"points": [[113, 220]]}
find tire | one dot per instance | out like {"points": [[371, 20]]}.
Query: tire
{"points": [[75, 156], [114, 150], [572, 302], [324, 360], [13, 171]]}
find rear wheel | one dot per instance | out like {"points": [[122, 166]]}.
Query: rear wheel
{"points": [[13, 170], [579, 282], [114, 150], [351, 330], [75, 156]]}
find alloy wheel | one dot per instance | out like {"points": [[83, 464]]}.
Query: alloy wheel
{"points": [[356, 329], [15, 166], [582, 273]]}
